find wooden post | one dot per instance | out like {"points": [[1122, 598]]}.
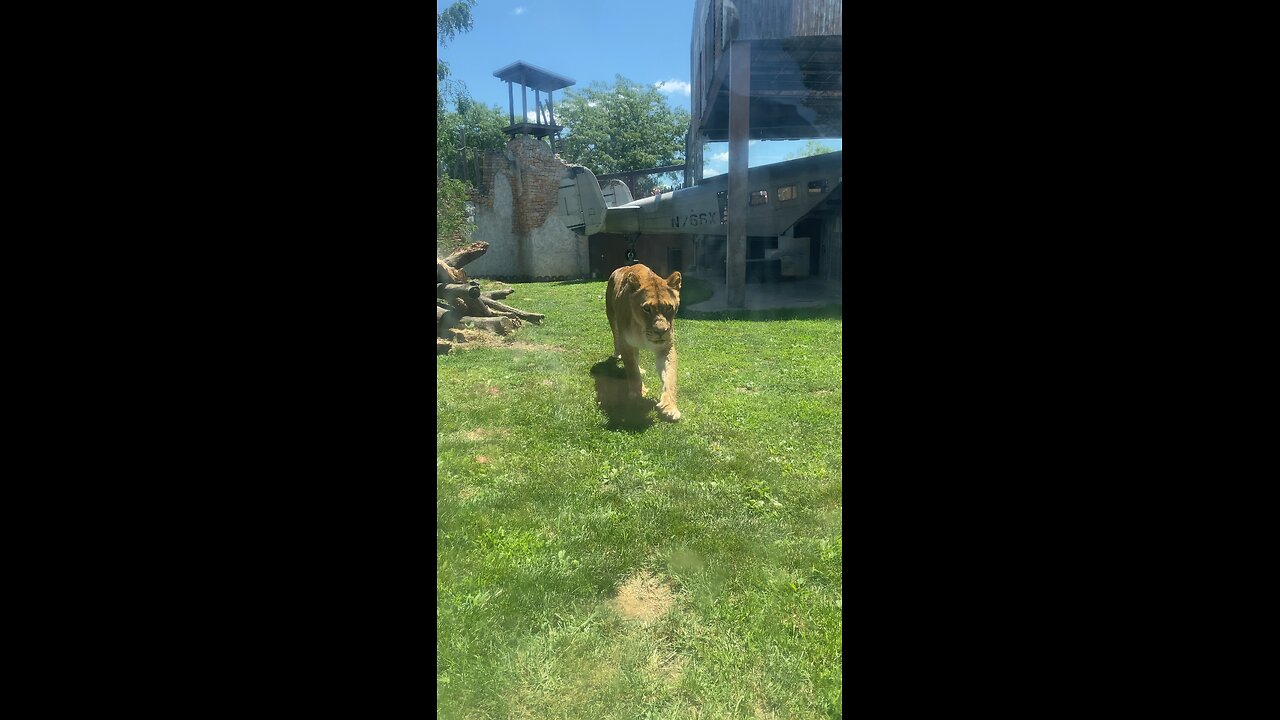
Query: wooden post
{"points": [[739, 130], [537, 104], [511, 103], [551, 106], [524, 101]]}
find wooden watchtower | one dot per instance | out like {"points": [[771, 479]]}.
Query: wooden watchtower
{"points": [[542, 81]]}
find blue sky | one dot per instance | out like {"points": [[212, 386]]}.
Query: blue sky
{"points": [[589, 40]]}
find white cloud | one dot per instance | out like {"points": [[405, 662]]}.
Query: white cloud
{"points": [[720, 157], [709, 171], [673, 86], [518, 11]]}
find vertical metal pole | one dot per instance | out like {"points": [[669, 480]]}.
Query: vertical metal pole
{"points": [[551, 117], [511, 103], [739, 128]]}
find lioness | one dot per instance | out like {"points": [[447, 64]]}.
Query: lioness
{"points": [[641, 307]]}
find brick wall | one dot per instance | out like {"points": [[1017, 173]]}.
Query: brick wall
{"points": [[534, 173], [526, 238]]}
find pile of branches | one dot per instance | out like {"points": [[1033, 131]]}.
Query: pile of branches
{"points": [[461, 303]]}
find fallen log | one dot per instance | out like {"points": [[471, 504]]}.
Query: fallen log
{"points": [[499, 324], [446, 320], [508, 310], [447, 274], [460, 300], [462, 256], [448, 292]]}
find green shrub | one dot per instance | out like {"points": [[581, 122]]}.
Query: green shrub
{"points": [[453, 229]]}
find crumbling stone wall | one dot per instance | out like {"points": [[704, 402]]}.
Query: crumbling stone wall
{"points": [[516, 213]]}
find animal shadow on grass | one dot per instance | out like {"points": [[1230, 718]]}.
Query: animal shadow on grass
{"points": [[622, 411]]}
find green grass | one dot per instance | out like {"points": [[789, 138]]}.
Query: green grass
{"points": [[543, 512]]}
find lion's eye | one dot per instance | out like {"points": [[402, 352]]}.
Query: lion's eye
{"points": [[648, 309]]}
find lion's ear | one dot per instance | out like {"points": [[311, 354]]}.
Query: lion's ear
{"points": [[673, 282]]}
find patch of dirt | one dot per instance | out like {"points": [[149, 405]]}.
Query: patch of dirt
{"points": [[521, 345], [643, 597], [482, 459], [548, 383], [474, 339], [485, 433], [467, 492], [494, 391]]}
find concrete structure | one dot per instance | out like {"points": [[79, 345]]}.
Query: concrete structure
{"points": [[515, 207], [516, 214]]}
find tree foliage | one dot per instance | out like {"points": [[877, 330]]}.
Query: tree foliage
{"points": [[453, 223], [451, 22], [465, 135], [809, 149], [625, 127], [454, 20]]}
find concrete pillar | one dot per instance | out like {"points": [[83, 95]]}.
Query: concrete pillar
{"points": [[735, 265]]}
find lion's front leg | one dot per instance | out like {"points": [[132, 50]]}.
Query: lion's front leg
{"points": [[667, 364], [631, 361]]}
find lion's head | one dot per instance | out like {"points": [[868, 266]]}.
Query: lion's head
{"points": [[652, 302]]}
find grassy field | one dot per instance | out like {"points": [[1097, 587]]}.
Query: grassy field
{"points": [[591, 569]]}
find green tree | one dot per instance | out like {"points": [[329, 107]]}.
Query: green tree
{"points": [[453, 225], [454, 20], [810, 148], [625, 127], [465, 134], [451, 22]]}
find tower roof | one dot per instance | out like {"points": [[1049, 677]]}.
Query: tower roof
{"points": [[532, 76]]}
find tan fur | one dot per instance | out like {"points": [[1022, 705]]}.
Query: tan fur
{"points": [[631, 289]]}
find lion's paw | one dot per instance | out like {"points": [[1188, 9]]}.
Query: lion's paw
{"points": [[669, 412]]}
